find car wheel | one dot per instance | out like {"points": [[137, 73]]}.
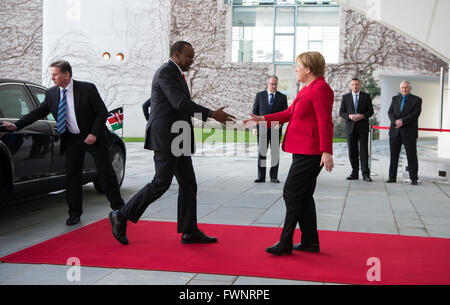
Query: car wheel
{"points": [[118, 164]]}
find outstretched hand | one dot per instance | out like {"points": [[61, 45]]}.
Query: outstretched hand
{"points": [[254, 120], [221, 116]]}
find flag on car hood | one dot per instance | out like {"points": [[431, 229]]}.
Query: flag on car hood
{"points": [[115, 118]]}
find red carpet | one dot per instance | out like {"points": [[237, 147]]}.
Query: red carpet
{"points": [[240, 251]]}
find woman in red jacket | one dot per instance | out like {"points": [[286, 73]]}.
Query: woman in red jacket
{"points": [[309, 137]]}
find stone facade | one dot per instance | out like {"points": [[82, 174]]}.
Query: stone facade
{"points": [[21, 39]]}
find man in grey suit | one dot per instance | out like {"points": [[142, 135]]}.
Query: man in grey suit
{"points": [[170, 121], [267, 102], [404, 130]]}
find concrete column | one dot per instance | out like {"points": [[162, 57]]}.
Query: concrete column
{"points": [[444, 138]]}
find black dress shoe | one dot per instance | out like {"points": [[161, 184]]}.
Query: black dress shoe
{"points": [[197, 238], [72, 220], [260, 180], [353, 177], [307, 247], [275, 180], [119, 228], [414, 182], [367, 178], [391, 180], [279, 249]]}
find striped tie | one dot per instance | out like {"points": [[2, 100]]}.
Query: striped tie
{"points": [[61, 123]]}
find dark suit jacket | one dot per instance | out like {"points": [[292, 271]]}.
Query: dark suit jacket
{"points": [[147, 104], [90, 111], [365, 107], [261, 105], [409, 116], [171, 102]]}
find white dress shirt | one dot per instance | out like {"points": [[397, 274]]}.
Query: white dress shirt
{"points": [[71, 119], [177, 66]]}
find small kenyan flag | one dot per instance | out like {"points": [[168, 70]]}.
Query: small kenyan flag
{"points": [[115, 118]]}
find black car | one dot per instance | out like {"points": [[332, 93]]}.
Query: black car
{"points": [[30, 159]]}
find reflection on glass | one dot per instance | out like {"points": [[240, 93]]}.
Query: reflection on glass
{"points": [[287, 81], [252, 34], [288, 2], [285, 20], [284, 48], [318, 30]]}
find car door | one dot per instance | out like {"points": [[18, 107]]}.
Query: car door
{"points": [[31, 148], [58, 166]]}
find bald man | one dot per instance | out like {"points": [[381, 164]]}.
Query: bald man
{"points": [[404, 115]]}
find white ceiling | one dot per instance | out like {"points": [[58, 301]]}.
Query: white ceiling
{"points": [[425, 21]]}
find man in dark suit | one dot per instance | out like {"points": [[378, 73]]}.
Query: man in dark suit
{"points": [[147, 104], [356, 109], [404, 115], [170, 135], [81, 117], [267, 102]]}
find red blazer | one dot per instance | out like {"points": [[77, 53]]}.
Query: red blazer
{"points": [[310, 129]]}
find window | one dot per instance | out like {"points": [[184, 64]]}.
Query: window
{"points": [[318, 30], [252, 39], [14, 103], [277, 31], [39, 94]]}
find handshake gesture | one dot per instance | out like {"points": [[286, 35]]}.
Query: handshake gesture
{"points": [[221, 116]]}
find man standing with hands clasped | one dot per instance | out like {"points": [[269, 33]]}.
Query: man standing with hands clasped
{"points": [[356, 109], [267, 102], [404, 115], [171, 107]]}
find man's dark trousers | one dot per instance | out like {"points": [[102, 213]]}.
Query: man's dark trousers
{"points": [[75, 155], [411, 155], [358, 141], [265, 137], [167, 166]]}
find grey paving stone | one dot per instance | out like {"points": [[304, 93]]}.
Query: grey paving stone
{"points": [[20, 274], [413, 232], [144, 277], [245, 280]]}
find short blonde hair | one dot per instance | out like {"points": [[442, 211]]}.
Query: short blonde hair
{"points": [[314, 61]]}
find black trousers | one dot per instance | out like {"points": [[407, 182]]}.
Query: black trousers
{"points": [[298, 196], [264, 141], [395, 144], [167, 166], [357, 152], [75, 150]]}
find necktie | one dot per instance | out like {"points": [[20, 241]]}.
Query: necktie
{"points": [[61, 122], [271, 102], [356, 103], [182, 74], [402, 105]]}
